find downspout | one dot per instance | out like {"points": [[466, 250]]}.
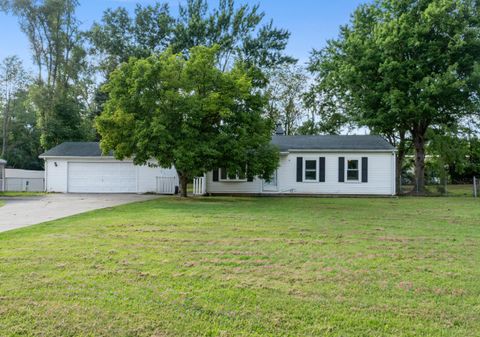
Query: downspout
{"points": [[45, 164], [394, 173]]}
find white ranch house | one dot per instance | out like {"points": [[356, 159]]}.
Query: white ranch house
{"points": [[309, 165], [320, 165]]}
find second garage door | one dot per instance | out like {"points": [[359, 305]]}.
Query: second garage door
{"points": [[96, 177]]}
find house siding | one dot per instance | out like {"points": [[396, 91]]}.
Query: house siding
{"points": [[381, 176], [56, 177], [225, 187]]}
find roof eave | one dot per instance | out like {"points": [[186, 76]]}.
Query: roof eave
{"points": [[75, 157], [339, 150]]}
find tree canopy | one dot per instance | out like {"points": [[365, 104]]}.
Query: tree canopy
{"points": [[189, 114], [402, 66], [239, 32]]}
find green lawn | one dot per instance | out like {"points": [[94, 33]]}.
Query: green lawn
{"points": [[21, 194], [248, 267]]}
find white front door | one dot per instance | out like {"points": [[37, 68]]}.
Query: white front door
{"points": [[98, 177]]}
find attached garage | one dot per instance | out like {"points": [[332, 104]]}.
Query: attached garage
{"points": [[80, 167], [97, 177]]}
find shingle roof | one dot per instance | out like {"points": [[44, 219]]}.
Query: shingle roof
{"points": [[284, 143], [331, 142], [75, 149]]}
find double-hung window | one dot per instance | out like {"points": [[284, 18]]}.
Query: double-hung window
{"points": [[311, 170], [353, 170]]}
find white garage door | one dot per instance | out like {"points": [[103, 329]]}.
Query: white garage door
{"points": [[92, 177]]}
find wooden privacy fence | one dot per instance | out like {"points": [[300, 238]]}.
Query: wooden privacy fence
{"points": [[200, 186], [167, 185]]}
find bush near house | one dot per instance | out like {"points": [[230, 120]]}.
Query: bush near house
{"points": [[248, 267]]}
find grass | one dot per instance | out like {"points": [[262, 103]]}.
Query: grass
{"points": [[2, 203], [248, 267], [21, 194]]}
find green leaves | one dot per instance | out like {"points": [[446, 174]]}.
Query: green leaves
{"points": [[403, 66], [236, 30], [187, 113]]}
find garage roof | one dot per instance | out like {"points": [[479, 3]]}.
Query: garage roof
{"points": [[75, 149], [332, 142]]}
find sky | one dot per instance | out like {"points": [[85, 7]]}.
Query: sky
{"points": [[311, 22]]}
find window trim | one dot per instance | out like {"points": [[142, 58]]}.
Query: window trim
{"points": [[359, 163], [227, 179], [305, 180]]}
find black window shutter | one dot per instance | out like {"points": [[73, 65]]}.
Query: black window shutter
{"points": [[341, 169], [215, 175], [321, 174], [299, 169], [364, 170]]}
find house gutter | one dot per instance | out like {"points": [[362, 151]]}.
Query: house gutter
{"points": [[339, 151]]}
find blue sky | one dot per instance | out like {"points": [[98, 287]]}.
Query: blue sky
{"points": [[311, 22]]}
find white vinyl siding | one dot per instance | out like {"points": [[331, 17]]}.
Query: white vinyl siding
{"points": [[381, 176], [84, 175]]}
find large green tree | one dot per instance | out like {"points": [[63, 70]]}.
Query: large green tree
{"points": [[23, 135], [13, 82], [57, 46], [402, 66], [189, 114], [119, 36], [286, 88], [238, 30]]}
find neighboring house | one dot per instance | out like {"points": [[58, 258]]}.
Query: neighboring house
{"points": [[17, 180], [315, 165], [80, 167]]}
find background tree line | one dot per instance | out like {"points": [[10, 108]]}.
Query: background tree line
{"points": [[406, 69]]}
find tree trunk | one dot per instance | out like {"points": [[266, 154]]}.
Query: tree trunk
{"points": [[399, 164], [6, 116], [419, 143], [183, 184]]}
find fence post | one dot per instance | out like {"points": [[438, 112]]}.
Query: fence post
{"points": [[474, 187]]}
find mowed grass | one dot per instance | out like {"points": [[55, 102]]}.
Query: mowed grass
{"points": [[21, 194], [248, 267]]}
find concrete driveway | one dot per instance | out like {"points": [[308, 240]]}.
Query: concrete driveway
{"points": [[22, 212]]}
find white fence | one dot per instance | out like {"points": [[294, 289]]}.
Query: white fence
{"points": [[24, 184], [199, 186], [167, 185]]}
